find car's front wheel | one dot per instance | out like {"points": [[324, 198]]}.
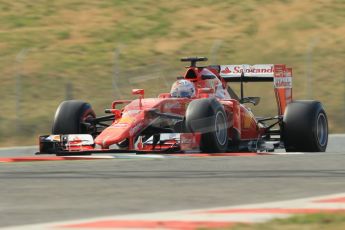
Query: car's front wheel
{"points": [[208, 117], [71, 118]]}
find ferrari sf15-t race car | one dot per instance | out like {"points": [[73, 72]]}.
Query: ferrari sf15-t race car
{"points": [[200, 114]]}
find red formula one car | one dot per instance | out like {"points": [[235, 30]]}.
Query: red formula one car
{"points": [[201, 113]]}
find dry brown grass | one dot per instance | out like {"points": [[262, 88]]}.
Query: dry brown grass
{"points": [[74, 41]]}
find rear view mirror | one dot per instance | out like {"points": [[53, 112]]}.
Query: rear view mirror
{"points": [[141, 93], [253, 100], [138, 92]]}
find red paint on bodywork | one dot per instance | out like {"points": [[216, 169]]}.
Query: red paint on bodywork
{"points": [[241, 121]]}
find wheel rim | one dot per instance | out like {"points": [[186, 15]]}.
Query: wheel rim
{"points": [[322, 129], [84, 117], [220, 127]]}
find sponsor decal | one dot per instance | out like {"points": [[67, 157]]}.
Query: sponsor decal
{"points": [[248, 70], [75, 141], [120, 125], [282, 82], [239, 69], [53, 138], [79, 139]]}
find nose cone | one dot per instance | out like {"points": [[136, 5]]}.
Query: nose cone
{"points": [[112, 135]]}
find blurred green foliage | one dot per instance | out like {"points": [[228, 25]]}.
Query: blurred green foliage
{"points": [[318, 221]]}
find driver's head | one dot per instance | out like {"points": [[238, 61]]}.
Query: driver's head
{"points": [[182, 88]]}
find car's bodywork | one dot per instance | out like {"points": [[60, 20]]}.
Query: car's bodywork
{"points": [[159, 124]]}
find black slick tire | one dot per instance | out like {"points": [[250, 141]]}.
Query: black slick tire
{"points": [[208, 117], [305, 127], [69, 117]]}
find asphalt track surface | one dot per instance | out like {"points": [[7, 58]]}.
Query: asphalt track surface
{"points": [[37, 192]]}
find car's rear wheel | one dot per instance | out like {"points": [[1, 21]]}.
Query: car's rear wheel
{"points": [[208, 117], [305, 127], [71, 118]]}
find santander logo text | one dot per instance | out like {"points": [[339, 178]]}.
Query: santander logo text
{"points": [[257, 70], [252, 69]]}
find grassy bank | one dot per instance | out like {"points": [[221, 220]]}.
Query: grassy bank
{"points": [[98, 50], [319, 221]]}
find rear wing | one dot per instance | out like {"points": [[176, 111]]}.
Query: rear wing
{"points": [[247, 73], [279, 74]]}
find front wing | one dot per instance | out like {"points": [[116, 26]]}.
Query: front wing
{"points": [[83, 144]]}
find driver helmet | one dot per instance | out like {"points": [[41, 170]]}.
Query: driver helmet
{"points": [[182, 88]]}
